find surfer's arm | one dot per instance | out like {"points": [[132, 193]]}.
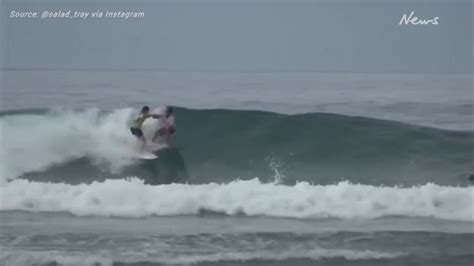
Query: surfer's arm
{"points": [[150, 115]]}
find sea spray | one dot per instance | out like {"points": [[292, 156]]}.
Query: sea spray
{"points": [[38, 141]]}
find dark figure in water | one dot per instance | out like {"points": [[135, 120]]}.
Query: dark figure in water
{"points": [[167, 125], [136, 128]]}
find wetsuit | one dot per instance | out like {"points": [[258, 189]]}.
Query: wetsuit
{"points": [[136, 128]]}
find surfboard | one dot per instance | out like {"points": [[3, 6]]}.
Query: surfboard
{"points": [[146, 155], [155, 147]]}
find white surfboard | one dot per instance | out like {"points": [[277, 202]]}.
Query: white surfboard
{"points": [[155, 146], [146, 155]]}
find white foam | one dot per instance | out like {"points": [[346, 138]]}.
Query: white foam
{"points": [[104, 258], [35, 142], [314, 254], [18, 258], [132, 198]]}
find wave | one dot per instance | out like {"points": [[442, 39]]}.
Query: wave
{"points": [[40, 139], [221, 145], [132, 198], [57, 257]]}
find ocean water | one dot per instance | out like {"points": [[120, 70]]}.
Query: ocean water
{"points": [[265, 169]]}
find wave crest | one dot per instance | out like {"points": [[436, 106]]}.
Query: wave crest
{"points": [[220, 145], [132, 198]]}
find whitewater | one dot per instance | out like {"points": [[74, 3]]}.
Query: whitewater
{"points": [[132, 198], [55, 137]]}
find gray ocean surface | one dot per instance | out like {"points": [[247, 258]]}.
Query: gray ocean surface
{"points": [[268, 169], [443, 101]]}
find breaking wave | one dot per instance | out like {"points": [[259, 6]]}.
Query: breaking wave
{"points": [[132, 198], [76, 147]]}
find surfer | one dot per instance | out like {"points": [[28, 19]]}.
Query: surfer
{"points": [[136, 128], [167, 125]]}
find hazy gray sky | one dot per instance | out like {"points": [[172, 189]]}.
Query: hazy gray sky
{"points": [[327, 36]]}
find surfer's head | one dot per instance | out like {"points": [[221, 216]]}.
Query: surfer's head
{"points": [[169, 111], [145, 110]]}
